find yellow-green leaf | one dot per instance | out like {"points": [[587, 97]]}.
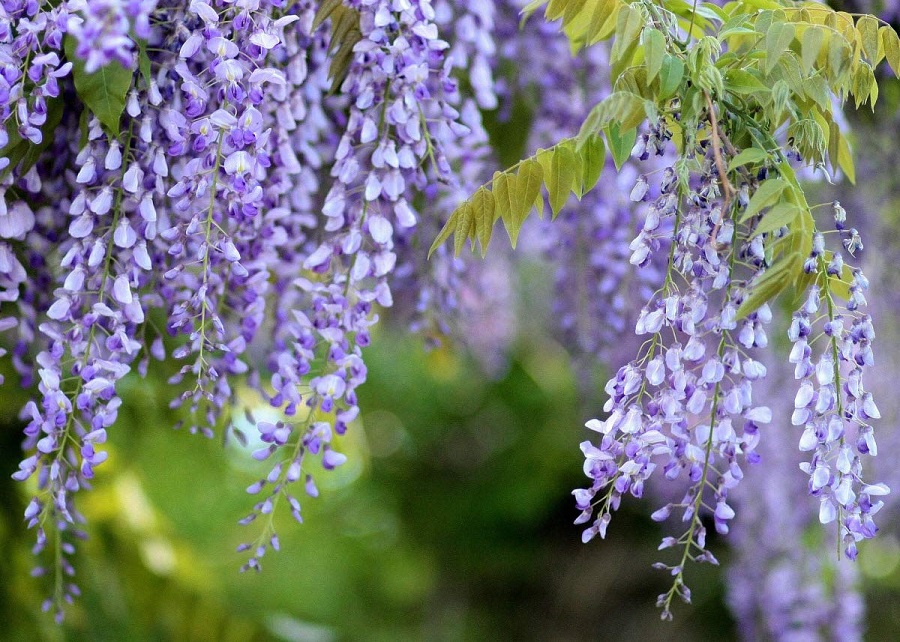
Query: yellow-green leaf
{"points": [[810, 46], [620, 143], [483, 216], [891, 43], [777, 217], [671, 74], [868, 34], [593, 158], [559, 166], [778, 39], [621, 107], [654, 49], [748, 156], [766, 194], [603, 21], [573, 8], [464, 227], [772, 282], [845, 159], [738, 81]]}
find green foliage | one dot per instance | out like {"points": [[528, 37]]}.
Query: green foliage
{"points": [[103, 92], [22, 153], [569, 167], [345, 34], [764, 72]]}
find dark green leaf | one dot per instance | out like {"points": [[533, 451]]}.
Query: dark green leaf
{"points": [[103, 91]]}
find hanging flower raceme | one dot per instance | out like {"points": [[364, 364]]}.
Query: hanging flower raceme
{"points": [[397, 85], [832, 404], [685, 406]]}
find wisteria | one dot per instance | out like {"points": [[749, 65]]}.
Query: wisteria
{"points": [[245, 188]]}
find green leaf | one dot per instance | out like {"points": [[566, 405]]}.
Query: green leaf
{"points": [[748, 156], [738, 81], [144, 61], [845, 159], [620, 143], [555, 9], [810, 46], [868, 34], [326, 8], [670, 76], [573, 8], [654, 49], [778, 39], [777, 217], [593, 158], [449, 227], [465, 227], [22, 153], [891, 43], [772, 282], [839, 53], [522, 194], [530, 178], [628, 27], [103, 91], [621, 107], [603, 21], [560, 167], [766, 194], [483, 216]]}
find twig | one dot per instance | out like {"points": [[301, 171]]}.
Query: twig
{"points": [[727, 188]]}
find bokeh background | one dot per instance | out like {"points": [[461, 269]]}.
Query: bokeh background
{"points": [[452, 519]]}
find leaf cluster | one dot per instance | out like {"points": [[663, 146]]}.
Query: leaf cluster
{"points": [[772, 73]]}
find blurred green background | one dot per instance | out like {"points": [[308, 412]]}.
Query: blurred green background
{"points": [[451, 521]]}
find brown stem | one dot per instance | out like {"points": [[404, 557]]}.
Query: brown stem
{"points": [[727, 188]]}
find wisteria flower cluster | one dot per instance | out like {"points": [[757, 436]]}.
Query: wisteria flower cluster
{"points": [[189, 160], [243, 186]]}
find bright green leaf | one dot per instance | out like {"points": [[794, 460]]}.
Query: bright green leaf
{"points": [[620, 143], [748, 156], [738, 81], [654, 49], [483, 215], [778, 39], [671, 74], [766, 194], [777, 217], [593, 158], [810, 46], [868, 34], [891, 43]]}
